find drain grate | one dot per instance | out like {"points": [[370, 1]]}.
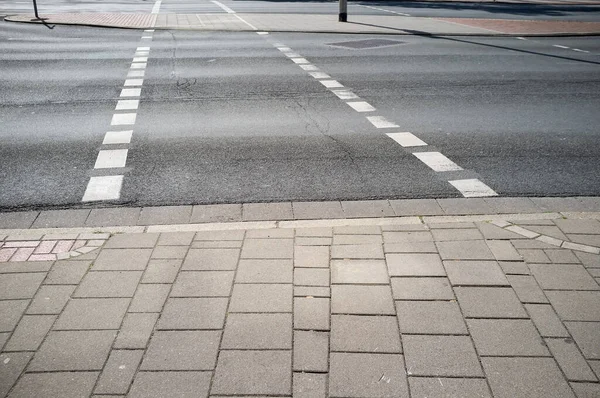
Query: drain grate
{"points": [[366, 44]]}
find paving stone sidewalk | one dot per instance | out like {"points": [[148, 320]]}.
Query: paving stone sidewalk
{"points": [[438, 309]]}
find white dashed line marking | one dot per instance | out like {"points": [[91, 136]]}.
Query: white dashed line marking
{"points": [[361, 106], [344, 94], [390, 11], [136, 73], [133, 82], [406, 139], [319, 75], [140, 54], [436, 161], [117, 137], [473, 188], [103, 188], [520, 38], [262, 33], [143, 49], [581, 51], [120, 119], [331, 83], [139, 66], [127, 105], [308, 67], [300, 60], [140, 59], [381, 123], [111, 158], [559, 46], [155, 10], [224, 7], [131, 92], [292, 55], [284, 49]]}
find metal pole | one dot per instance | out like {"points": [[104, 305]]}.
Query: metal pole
{"points": [[343, 11], [35, 10]]}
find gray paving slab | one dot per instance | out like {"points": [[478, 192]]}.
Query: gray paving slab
{"points": [[176, 238], [267, 211], [20, 286], [122, 216], [410, 247], [367, 208], [428, 387], [56, 384], [362, 300], [514, 267], [30, 333], [203, 284], [464, 250], [216, 213], [571, 226], [265, 271], [4, 338], [367, 251], [92, 313], [268, 248], [475, 273], [161, 271], [311, 313], [324, 232], [562, 256], [165, 215], [527, 289], [310, 385], [489, 302], [377, 334], [67, 272], [311, 256], [357, 239], [50, 299], [359, 271], [211, 259], [416, 207], [503, 250], [506, 337], [532, 256], [193, 313], [169, 252], [586, 390], [132, 241], [576, 305], [281, 233], [440, 235], [122, 260], [464, 206], [258, 332], [490, 231], [358, 230], [407, 236], [548, 230], [512, 205], [149, 298], [10, 313], [108, 284], [119, 371], [416, 288], [563, 277], [589, 260], [136, 330], [18, 219], [311, 351], [430, 317], [312, 291], [570, 360], [217, 244], [182, 350], [587, 337], [311, 277], [317, 210], [546, 320], [261, 298], [25, 266], [61, 218], [313, 241], [414, 264], [227, 235], [13, 363], [170, 384]]}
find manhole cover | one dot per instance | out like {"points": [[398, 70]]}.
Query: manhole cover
{"points": [[365, 44]]}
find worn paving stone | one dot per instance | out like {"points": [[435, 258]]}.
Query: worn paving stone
{"points": [[525, 377], [310, 385], [73, 350], [67, 272], [136, 330], [367, 251], [489, 302], [311, 313], [407, 236], [50, 299], [193, 313], [211, 260], [546, 320], [265, 271], [149, 298], [563, 277], [20, 286], [475, 273], [312, 291], [182, 350], [561, 256], [132, 241], [361, 375], [113, 217], [430, 317], [311, 351], [169, 252], [570, 360], [416, 207], [58, 384], [10, 313], [576, 305], [161, 271], [527, 289], [109, 284], [122, 260], [357, 299], [119, 371], [377, 334], [587, 337], [441, 356], [216, 213], [357, 239], [464, 250], [258, 331], [261, 298], [506, 337], [61, 218], [503, 250], [311, 256], [165, 215], [409, 264], [311, 277], [203, 284], [92, 313], [532, 256], [267, 211], [176, 238], [11, 366], [170, 384], [359, 271], [514, 267], [422, 289], [268, 248], [30, 332], [253, 373], [429, 387], [410, 247]]}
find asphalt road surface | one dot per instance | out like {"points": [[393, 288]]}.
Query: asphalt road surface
{"points": [[227, 117]]}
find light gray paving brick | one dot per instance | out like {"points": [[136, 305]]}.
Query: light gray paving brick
{"points": [[265, 271], [161, 271], [407, 236], [358, 230], [171, 384], [314, 232], [440, 356], [588, 260], [490, 231], [67, 272], [562, 256], [410, 247], [416, 207], [268, 248], [506, 337], [50, 299], [570, 360], [203, 284], [122, 260], [563, 277], [317, 210], [353, 333], [136, 330], [411, 264], [514, 267], [216, 213], [17, 219], [367, 251], [92, 313], [311, 313], [109, 284], [464, 250], [258, 332], [310, 385], [444, 387], [165, 215], [169, 252], [465, 206], [440, 235], [272, 233], [534, 256], [232, 235], [527, 289], [253, 373], [30, 332], [57, 384], [570, 226], [587, 337], [61, 218], [193, 313], [546, 320], [119, 371], [149, 298], [312, 291], [356, 239], [267, 211], [20, 286], [503, 250], [10, 313], [132, 241], [576, 305], [311, 277], [313, 241], [525, 377], [361, 375], [367, 208], [176, 238], [422, 289], [261, 298], [211, 259], [430, 317], [182, 350], [311, 351], [358, 299], [113, 217], [489, 302], [586, 390], [359, 271], [311, 256], [475, 273], [73, 350], [11, 366]]}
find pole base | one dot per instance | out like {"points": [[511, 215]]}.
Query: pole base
{"points": [[343, 17]]}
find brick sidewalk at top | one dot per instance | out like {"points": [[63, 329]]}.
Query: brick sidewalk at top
{"points": [[465, 309]]}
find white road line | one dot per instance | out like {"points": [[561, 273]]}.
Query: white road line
{"points": [[143, 49], [344, 94], [111, 158], [283, 49], [223, 6], [133, 82], [140, 59], [361, 106], [319, 75], [141, 54], [559, 46], [147, 37], [127, 105], [406, 139], [292, 55], [331, 83], [246, 22], [120, 119], [381, 123], [131, 92], [381, 9], [436, 161], [155, 10], [308, 67], [581, 51], [520, 38], [117, 137], [139, 66], [473, 188], [136, 73], [150, 30], [300, 60], [262, 33], [103, 188]]}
